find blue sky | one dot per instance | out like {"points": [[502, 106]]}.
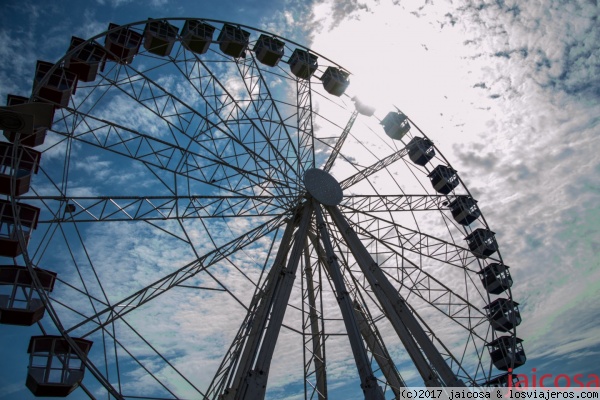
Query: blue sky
{"points": [[508, 90]]}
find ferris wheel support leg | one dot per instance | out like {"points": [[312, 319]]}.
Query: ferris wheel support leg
{"points": [[396, 309], [379, 351], [253, 378], [369, 384], [317, 334]]}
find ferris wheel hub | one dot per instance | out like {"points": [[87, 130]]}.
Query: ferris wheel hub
{"points": [[323, 187]]}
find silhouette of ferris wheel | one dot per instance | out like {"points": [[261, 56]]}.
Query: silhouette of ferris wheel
{"points": [[201, 209]]}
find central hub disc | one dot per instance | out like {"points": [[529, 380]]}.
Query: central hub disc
{"points": [[323, 187]]}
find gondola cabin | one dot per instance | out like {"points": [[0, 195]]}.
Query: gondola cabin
{"points": [[503, 314], [396, 125], [335, 81], [420, 150], [303, 64], [87, 60], [36, 118], [482, 243], [443, 179], [269, 50], [122, 44], [197, 36], [496, 278], [19, 301], [507, 352], [55, 369], [9, 238], [16, 167], [464, 209], [233, 41], [54, 85], [159, 37]]}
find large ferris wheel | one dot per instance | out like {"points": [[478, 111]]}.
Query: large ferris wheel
{"points": [[201, 209]]}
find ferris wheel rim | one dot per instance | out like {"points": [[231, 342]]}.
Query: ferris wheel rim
{"points": [[258, 30]]}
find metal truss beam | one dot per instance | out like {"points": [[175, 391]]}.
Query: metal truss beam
{"points": [[387, 203], [411, 240], [373, 169], [306, 140], [368, 329], [142, 296], [315, 339], [248, 337], [150, 208], [340, 142], [399, 314], [375, 344], [258, 345], [368, 381], [204, 165], [267, 112]]}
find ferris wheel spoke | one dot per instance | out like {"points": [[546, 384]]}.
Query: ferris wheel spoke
{"points": [[414, 241], [161, 286], [373, 168], [207, 167], [150, 208], [403, 202], [214, 127], [304, 120], [269, 116], [417, 281], [340, 143], [254, 117]]}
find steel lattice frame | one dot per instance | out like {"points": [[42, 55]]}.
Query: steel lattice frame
{"points": [[206, 156]]}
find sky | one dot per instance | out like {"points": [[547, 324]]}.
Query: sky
{"points": [[509, 91]]}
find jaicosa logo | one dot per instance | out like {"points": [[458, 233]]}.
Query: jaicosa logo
{"points": [[535, 380]]}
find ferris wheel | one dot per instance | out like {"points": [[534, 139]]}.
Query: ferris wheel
{"points": [[196, 208]]}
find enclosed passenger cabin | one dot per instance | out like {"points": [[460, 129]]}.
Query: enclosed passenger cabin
{"points": [[9, 240], [496, 278], [29, 121], [303, 64], [464, 209], [197, 36], [159, 37], [363, 108], [444, 179], [55, 87], [269, 50], [335, 81], [19, 301], [482, 243], [16, 169], [507, 352], [233, 41], [420, 150], [503, 314], [86, 60], [55, 369], [396, 125], [122, 44]]}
